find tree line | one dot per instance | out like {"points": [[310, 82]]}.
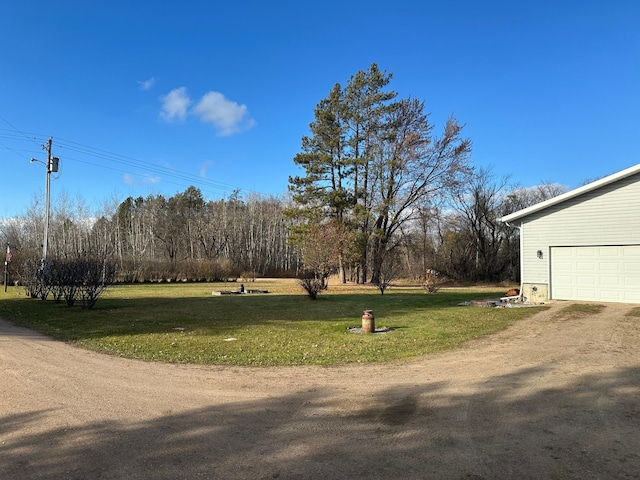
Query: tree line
{"points": [[182, 237], [187, 238]]}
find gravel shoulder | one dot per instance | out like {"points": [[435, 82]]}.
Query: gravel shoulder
{"points": [[549, 397]]}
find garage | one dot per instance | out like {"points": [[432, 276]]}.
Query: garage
{"points": [[600, 273], [583, 244]]}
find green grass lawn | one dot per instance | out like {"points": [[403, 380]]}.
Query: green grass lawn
{"points": [[184, 323]]}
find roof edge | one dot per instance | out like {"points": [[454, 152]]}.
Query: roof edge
{"points": [[589, 187]]}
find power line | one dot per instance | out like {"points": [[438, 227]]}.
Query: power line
{"points": [[164, 181], [144, 168], [143, 165], [15, 129], [21, 137]]}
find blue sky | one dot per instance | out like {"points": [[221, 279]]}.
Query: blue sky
{"points": [[146, 97]]}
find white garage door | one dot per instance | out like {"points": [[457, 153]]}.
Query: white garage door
{"points": [[607, 274]]}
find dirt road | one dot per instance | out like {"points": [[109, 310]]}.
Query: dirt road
{"points": [[551, 397]]}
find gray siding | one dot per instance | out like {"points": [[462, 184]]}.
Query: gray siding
{"points": [[607, 216]]}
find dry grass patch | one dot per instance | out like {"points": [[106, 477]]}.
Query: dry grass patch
{"points": [[579, 310], [634, 312]]}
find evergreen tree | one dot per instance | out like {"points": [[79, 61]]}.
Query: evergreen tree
{"points": [[369, 161]]}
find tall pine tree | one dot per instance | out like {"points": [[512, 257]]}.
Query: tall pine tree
{"points": [[367, 163]]}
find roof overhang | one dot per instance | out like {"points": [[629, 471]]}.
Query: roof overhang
{"points": [[571, 194]]}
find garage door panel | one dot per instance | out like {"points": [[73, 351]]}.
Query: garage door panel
{"points": [[609, 267], [610, 296], [632, 297], [563, 293], [585, 292], [607, 281], [631, 252], [602, 273], [631, 267], [582, 267], [563, 252], [564, 279], [632, 281]]}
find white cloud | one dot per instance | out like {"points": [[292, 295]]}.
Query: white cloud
{"points": [[226, 116], [204, 167], [152, 180], [175, 104], [146, 180], [147, 84]]}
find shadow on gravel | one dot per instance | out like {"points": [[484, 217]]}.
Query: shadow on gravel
{"points": [[588, 429]]}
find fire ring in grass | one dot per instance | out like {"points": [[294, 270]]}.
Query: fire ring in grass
{"points": [[377, 330]]}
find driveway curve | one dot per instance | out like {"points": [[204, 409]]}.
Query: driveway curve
{"points": [[553, 396]]}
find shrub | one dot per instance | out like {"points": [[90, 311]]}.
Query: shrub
{"points": [[98, 274], [388, 271], [249, 276], [432, 281], [64, 279], [86, 275], [312, 284], [33, 277]]}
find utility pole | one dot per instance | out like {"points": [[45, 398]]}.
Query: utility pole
{"points": [[45, 245], [6, 267], [52, 166]]}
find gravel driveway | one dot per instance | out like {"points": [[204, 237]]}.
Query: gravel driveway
{"points": [[551, 397]]}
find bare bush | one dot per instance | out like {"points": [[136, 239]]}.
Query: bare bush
{"points": [[84, 276], [70, 277], [57, 282], [387, 273], [432, 281], [249, 276], [97, 274], [313, 286], [34, 278]]}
